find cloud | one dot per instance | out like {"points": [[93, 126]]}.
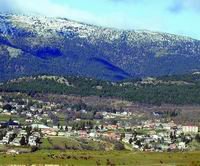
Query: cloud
{"points": [[176, 7], [44, 7], [5, 5], [58, 8], [172, 16], [183, 5]]}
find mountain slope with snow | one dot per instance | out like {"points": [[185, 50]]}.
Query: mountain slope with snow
{"points": [[32, 45]]}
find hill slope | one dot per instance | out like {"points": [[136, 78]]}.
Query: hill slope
{"points": [[171, 90], [39, 45]]}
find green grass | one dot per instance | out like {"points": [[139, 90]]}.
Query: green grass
{"points": [[3, 148], [59, 142], [91, 158], [63, 143], [4, 117], [14, 117], [45, 144], [194, 145]]}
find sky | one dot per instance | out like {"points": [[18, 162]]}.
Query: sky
{"points": [[180, 17]]}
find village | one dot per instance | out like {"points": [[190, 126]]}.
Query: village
{"points": [[26, 122]]}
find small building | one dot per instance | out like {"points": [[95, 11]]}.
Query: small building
{"points": [[93, 135], [49, 132], [172, 147], [16, 142], [61, 134], [181, 145], [190, 129], [12, 152], [112, 136], [82, 134], [22, 133], [32, 141], [9, 124], [39, 126]]}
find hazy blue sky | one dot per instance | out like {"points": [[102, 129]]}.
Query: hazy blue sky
{"points": [[173, 16]]}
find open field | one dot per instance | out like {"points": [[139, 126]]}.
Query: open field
{"points": [[92, 158], [63, 143], [7, 117]]}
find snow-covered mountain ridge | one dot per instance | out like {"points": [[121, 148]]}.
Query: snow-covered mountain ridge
{"points": [[31, 45]]}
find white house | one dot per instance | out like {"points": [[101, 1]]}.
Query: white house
{"points": [[181, 145], [32, 141], [16, 142], [39, 126], [190, 129]]}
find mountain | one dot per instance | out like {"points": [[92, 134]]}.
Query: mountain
{"points": [[31, 45]]}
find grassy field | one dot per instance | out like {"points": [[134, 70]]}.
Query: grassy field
{"points": [[63, 143], [49, 154], [92, 158], [8, 117]]}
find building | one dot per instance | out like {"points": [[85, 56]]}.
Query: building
{"points": [[12, 151], [181, 146], [190, 129], [82, 134], [32, 141], [16, 142], [9, 124]]}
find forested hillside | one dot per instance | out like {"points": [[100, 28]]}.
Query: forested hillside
{"points": [[172, 89]]}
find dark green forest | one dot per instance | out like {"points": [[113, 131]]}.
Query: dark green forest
{"points": [[171, 89]]}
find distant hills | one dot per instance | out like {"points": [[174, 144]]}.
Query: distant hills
{"points": [[181, 90], [38, 45]]}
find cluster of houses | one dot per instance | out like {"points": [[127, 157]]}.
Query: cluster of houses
{"points": [[157, 136], [117, 114], [12, 134], [150, 136], [145, 136], [32, 111]]}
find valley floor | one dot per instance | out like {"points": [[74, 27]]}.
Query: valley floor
{"points": [[92, 158]]}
